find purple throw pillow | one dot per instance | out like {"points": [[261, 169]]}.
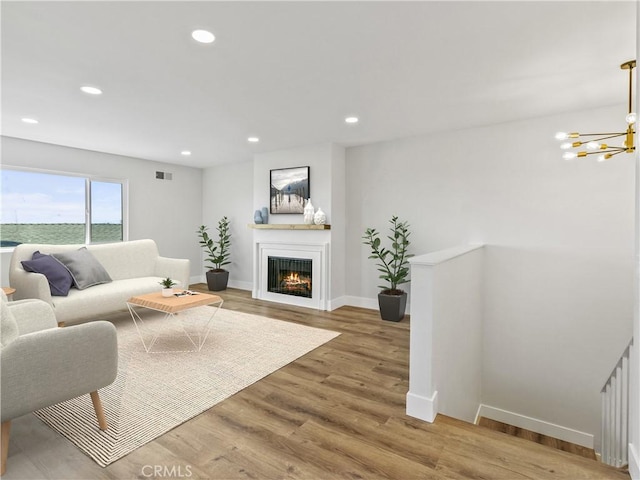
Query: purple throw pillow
{"points": [[59, 278]]}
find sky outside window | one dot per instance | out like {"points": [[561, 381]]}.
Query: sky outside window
{"points": [[29, 197]]}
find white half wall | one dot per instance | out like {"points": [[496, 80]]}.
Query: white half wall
{"points": [[167, 211], [445, 363], [559, 255]]}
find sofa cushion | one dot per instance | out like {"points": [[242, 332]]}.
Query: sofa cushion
{"points": [[59, 278], [91, 304], [84, 268]]}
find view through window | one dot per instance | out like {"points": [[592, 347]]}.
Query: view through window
{"points": [[42, 207]]}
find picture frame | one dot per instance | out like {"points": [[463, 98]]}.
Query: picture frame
{"points": [[288, 190]]}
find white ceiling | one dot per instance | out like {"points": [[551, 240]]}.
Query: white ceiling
{"points": [[289, 72]]}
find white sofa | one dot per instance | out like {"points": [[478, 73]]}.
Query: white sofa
{"points": [[135, 268]]}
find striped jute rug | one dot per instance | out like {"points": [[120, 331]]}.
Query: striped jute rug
{"points": [[155, 392]]}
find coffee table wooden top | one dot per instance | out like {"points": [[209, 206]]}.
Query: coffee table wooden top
{"points": [[173, 304]]}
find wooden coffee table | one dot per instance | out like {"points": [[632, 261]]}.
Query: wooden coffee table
{"points": [[173, 309]]}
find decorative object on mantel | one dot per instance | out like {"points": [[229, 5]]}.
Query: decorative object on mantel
{"points": [[308, 212], [393, 263], [288, 189], [595, 145], [218, 254], [320, 218], [257, 216], [167, 287], [265, 215]]}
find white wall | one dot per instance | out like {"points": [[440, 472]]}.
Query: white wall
{"points": [[634, 393], [166, 211], [559, 255], [228, 190]]}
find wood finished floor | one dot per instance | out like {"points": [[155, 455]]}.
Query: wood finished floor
{"points": [[335, 413]]}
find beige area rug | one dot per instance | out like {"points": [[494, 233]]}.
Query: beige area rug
{"points": [[155, 392]]}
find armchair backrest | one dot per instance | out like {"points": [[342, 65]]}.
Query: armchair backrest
{"points": [[8, 324]]}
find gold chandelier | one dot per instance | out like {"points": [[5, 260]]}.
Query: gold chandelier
{"points": [[596, 146]]}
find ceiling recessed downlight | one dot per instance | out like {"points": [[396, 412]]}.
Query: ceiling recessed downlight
{"points": [[203, 36], [253, 139], [186, 153], [91, 90], [31, 121], [351, 120]]}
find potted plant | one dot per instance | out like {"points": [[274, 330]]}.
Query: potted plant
{"points": [[393, 263], [167, 287], [218, 252]]}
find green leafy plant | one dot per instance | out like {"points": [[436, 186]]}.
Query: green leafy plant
{"points": [[168, 283], [392, 262], [218, 251]]}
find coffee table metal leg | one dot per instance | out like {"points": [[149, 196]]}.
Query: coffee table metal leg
{"points": [[202, 333]]}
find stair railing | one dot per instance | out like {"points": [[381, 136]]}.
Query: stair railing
{"points": [[615, 413]]}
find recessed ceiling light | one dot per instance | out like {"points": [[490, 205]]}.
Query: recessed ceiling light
{"points": [[253, 139], [203, 36], [186, 153], [91, 90], [32, 121], [351, 119]]}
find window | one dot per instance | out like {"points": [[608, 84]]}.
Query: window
{"points": [[42, 207]]}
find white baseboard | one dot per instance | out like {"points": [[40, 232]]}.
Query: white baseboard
{"points": [[421, 407], [536, 425], [362, 302], [336, 303], [241, 285], [232, 283], [634, 462]]}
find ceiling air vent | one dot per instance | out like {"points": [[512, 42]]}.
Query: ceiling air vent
{"points": [[164, 176]]}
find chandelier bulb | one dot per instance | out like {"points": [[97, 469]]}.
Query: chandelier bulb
{"points": [[593, 145], [562, 136], [631, 118], [566, 145], [569, 155]]}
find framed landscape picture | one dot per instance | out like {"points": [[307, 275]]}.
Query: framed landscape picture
{"points": [[289, 189]]}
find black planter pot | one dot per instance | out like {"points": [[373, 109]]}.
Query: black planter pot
{"points": [[392, 307], [217, 281]]}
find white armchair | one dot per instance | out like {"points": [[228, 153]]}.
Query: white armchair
{"points": [[41, 364]]}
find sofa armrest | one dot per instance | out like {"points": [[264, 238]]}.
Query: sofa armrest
{"points": [[32, 315], [50, 366], [30, 285], [175, 268]]}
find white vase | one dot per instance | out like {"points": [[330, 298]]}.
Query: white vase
{"points": [[167, 292], [308, 213], [320, 218]]}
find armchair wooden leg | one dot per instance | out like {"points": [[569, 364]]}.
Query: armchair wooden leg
{"points": [[97, 406], [6, 428]]}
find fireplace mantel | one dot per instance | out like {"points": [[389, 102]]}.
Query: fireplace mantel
{"points": [[288, 226]]}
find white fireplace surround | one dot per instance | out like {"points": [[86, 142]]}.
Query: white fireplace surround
{"points": [[318, 253]]}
